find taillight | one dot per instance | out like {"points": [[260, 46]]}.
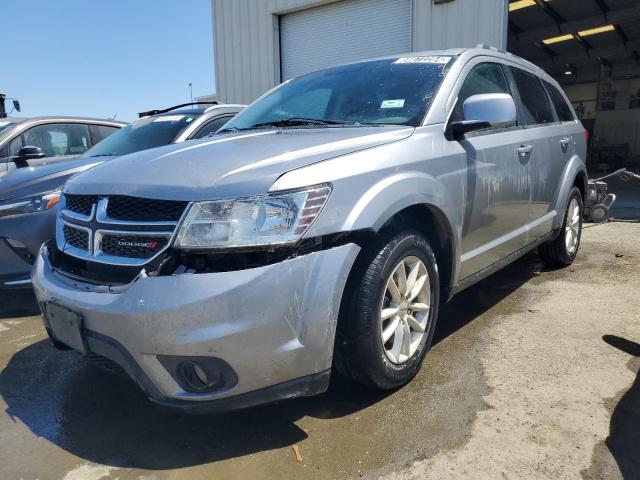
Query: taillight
{"points": [[586, 136]]}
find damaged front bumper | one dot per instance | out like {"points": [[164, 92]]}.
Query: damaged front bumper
{"points": [[266, 332]]}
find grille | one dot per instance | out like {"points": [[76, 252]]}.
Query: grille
{"points": [[132, 246], [76, 238], [142, 209], [80, 203]]}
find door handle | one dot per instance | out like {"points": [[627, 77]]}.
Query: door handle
{"points": [[564, 141], [524, 149]]}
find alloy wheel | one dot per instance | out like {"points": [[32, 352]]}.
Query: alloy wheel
{"points": [[404, 314], [572, 228]]}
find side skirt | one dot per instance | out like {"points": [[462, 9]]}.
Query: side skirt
{"points": [[494, 267]]}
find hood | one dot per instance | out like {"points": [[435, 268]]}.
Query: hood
{"points": [[26, 181], [229, 165]]}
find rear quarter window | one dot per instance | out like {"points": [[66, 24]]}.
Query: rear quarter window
{"points": [[100, 132], [560, 104], [534, 105]]}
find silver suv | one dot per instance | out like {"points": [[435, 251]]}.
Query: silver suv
{"points": [[322, 228]]}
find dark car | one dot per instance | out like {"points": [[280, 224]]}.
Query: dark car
{"points": [[30, 142], [28, 196]]}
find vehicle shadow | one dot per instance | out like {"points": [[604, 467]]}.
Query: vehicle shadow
{"points": [[20, 302], [103, 417], [624, 430]]}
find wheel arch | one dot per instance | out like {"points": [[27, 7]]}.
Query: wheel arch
{"points": [[431, 222], [581, 182], [574, 175], [413, 200]]}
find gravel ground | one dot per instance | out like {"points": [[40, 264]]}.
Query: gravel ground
{"points": [[534, 374]]}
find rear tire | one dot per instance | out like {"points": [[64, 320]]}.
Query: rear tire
{"points": [[562, 251], [389, 312]]}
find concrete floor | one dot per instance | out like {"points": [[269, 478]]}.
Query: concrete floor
{"points": [[534, 374]]}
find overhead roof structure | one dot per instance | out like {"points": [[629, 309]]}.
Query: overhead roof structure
{"points": [[573, 39]]}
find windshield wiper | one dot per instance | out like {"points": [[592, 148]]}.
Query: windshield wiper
{"points": [[103, 155], [296, 121], [293, 122]]}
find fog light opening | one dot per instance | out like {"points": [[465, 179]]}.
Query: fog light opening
{"points": [[200, 374], [198, 379]]}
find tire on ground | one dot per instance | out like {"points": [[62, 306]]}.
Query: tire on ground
{"points": [[359, 352], [556, 252]]}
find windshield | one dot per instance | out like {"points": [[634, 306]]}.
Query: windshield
{"points": [[147, 132], [382, 92]]}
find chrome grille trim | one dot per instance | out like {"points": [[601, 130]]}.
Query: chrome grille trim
{"points": [[101, 216], [98, 224], [70, 249]]}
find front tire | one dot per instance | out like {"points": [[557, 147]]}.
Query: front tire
{"points": [[562, 251], [387, 326]]}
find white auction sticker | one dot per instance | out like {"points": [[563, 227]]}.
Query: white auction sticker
{"points": [[439, 59], [168, 118], [399, 103]]}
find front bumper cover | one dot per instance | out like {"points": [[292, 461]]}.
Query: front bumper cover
{"points": [[274, 325]]}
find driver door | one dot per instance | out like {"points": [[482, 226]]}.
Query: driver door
{"points": [[497, 179]]}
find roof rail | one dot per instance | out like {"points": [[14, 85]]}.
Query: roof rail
{"points": [[148, 113], [484, 46]]}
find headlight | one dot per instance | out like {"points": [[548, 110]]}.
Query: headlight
{"points": [[35, 203], [254, 221]]}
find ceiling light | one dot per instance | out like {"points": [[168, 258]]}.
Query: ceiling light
{"points": [[581, 33], [594, 31], [561, 38], [568, 72], [521, 4], [517, 5]]}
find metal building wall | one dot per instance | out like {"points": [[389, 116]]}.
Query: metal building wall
{"points": [[246, 37]]}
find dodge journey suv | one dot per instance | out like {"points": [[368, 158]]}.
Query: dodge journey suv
{"points": [[322, 228]]}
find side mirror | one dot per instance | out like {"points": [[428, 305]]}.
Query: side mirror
{"points": [[485, 110], [29, 153]]}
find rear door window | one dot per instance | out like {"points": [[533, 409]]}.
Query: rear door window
{"points": [[534, 105], [100, 132], [562, 108], [212, 127]]}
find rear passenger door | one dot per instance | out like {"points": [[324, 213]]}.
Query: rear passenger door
{"points": [[497, 182], [540, 136]]}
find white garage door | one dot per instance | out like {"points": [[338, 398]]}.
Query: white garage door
{"points": [[343, 32]]}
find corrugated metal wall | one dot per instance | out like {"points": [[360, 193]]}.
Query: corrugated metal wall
{"points": [[246, 37], [342, 32]]}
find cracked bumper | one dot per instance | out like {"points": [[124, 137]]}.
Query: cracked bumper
{"points": [[274, 325]]}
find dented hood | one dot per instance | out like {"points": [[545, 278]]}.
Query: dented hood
{"points": [[230, 165]]}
